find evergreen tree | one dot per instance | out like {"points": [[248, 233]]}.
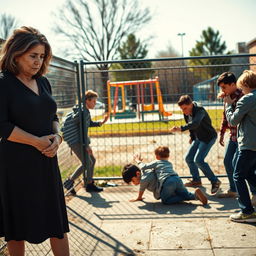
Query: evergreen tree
{"points": [[209, 45], [133, 48]]}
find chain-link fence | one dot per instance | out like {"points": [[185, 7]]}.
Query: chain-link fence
{"points": [[141, 97]]}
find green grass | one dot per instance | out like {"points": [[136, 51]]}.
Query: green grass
{"points": [[149, 127], [108, 171], [65, 172]]}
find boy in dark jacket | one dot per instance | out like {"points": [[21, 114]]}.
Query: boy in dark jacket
{"points": [[202, 138]]}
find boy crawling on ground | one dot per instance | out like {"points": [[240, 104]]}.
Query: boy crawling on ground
{"points": [[160, 178]]}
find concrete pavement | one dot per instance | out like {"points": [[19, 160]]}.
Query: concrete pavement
{"points": [[107, 224]]}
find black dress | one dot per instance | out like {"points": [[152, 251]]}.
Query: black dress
{"points": [[32, 204]]}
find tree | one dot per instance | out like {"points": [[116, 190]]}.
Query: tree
{"points": [[132, 48], [174, 78], [210, 44], [97, 27], [7, 24], [168, 53]]}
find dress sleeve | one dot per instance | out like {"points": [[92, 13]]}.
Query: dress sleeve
{"points": [[5, 126]]}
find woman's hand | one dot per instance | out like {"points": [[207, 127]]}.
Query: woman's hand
{"points": [[43, 142], [52, 149]]}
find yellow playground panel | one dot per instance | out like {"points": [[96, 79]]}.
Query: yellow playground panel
{"points": [[139, 87]]}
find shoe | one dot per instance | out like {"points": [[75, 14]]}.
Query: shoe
{"points": [[193, 183], [91, 187], [226, 194], [72, 192], [69, 185], [253, 200], [201, 196], [243, 217], [215, 186]]}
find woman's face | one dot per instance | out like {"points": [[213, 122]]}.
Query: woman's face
{"points": [[30, 62]]}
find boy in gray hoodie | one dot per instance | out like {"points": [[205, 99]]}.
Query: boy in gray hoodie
{"points": [[160, 178]]}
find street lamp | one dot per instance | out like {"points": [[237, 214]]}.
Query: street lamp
{"points": [[181, 36]]}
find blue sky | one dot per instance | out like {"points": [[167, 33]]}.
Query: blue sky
{"points": [[235, 19]]}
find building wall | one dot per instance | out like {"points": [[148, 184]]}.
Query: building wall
{"points": [[252, 50]]}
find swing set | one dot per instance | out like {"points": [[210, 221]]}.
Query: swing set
{"points": [[115, 100]]}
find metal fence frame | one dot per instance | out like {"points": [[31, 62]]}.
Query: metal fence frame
{"points": [[86, 84]]}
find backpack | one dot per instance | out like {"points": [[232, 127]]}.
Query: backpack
{"points": [[70, 127]]}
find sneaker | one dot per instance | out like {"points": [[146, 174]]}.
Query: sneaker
{"points": [[199, 194], [193, 183], [243, 217], [253, 200], [72, 192], [215, 186], [68, 185], [227, 194], [91, 187]]}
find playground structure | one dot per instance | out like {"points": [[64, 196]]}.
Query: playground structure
{"points": [[137, 101]]}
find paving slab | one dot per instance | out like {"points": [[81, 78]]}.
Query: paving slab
{"points": [[235, 252], [180, 252], [179, 234], [230, 234]]}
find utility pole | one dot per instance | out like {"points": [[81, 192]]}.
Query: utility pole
{"points": [[181, 36]]}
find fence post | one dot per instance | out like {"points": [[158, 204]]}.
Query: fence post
{"points": [[83, 124]]}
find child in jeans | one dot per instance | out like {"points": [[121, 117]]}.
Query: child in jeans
{"points": [[227, 83], [160, 178], [244, 115]]}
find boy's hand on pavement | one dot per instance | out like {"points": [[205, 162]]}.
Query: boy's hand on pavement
{"points": [[137, 199]]}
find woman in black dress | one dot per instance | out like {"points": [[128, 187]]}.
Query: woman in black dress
{"points": [[32, 205]]}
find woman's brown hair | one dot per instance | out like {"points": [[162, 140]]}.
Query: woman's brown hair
{"points": [[22, 40]]}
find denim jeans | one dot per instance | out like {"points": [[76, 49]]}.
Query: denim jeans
{"points": [[195, 156], [174, 191], [229, 162], [230, 159], [245, 170]]}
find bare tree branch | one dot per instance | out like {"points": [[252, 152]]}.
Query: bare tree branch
{"points": [[97, 27], [7, 24]]}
